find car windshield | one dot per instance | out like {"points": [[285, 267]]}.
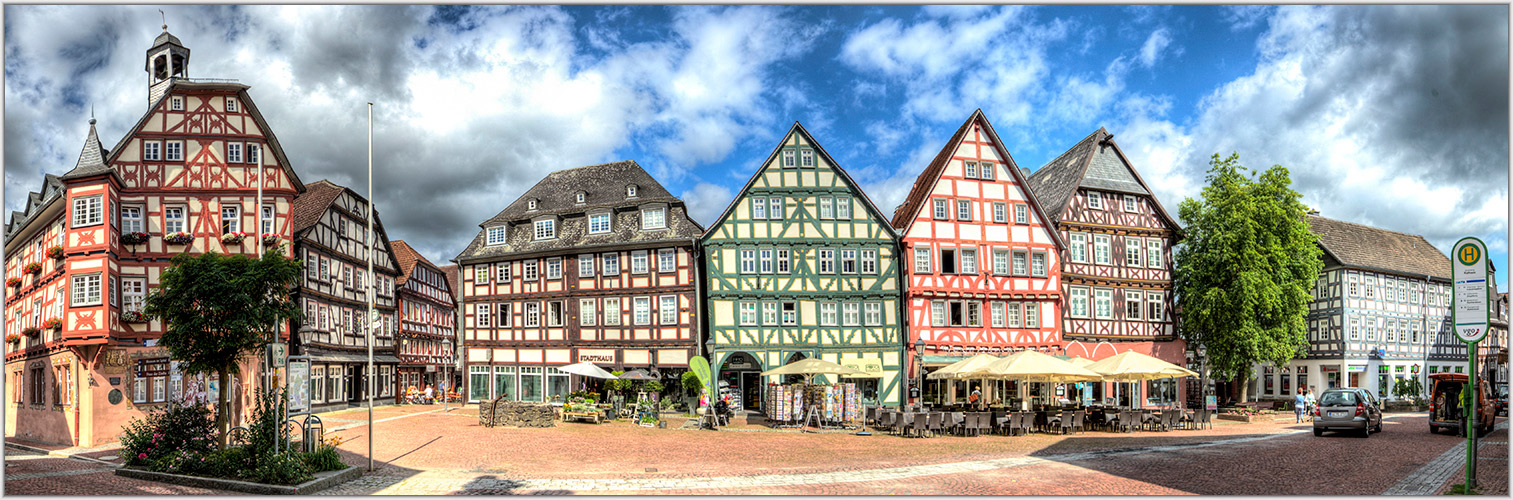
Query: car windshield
{"points": [[1337, 399], [1502, 391]]}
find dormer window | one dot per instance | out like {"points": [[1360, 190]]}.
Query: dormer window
{"points": [[630, 191], [654, 218], [598, 223], [230, 104], [530, 205], [496, 236], [546, 229], [580, 197]]}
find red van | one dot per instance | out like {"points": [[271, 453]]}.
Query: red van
{"points": [[1445, 403]]}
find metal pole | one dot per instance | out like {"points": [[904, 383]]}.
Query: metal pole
{"points": [[1471, 407], [370, 287]]}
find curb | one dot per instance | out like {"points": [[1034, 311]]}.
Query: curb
{"points": [[60, 454], [321, 481]]}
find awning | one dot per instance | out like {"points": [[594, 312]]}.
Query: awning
{"points": [[332, 357], [940, 359]]}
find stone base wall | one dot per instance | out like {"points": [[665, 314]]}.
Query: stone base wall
{"points": [[501, 413]]}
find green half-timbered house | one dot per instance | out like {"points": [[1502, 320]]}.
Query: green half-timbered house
{"points": [[803, 265]]}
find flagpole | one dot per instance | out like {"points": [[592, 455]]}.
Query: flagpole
{"points": [[371, 319]]}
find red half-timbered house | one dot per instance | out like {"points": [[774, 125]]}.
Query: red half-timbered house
{"points": [[184, 178], [1116, 274], [984, 261], [427, 327]]}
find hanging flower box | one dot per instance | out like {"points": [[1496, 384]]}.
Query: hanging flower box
{"points": [[16, 282], [270, 239], [33, 268], [133, 317], [54, 323], [178, 238], [134, 238], [12, 339], [234, 238], [55, 252], [31, 331]]}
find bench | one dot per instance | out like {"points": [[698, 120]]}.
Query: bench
{"points": [[591, 416]]}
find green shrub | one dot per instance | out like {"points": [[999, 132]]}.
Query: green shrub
{"points": [[232, 463], [324, 459], [283, 469], [173, 427], [691, 382]]}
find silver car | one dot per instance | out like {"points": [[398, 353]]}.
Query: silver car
{"points": [[1347, 409]]}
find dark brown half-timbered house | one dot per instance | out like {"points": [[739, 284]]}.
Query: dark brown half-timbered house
{"points": [[591, 264], [1116, 274], [427, 326], [330, 225]]}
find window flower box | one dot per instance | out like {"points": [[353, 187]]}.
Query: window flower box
{"points": [[134, 238], [12, 339], [15, 282], [33, 268], [133, 317], [178, 238], [31, 331], [234, 238], [270, 239], [55, 252], [53, 323]]}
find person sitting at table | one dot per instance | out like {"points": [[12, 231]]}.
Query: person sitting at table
{"points": [[429, 395], [976, 395]]}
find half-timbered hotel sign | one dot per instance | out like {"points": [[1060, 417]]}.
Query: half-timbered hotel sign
{"points": [[803, 265], [592, 264]]}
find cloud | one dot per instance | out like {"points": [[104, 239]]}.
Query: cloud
{"points": [[706, 201], [1244, 17], [1154, 46]]}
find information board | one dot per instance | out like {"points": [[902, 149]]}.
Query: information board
{"points": [[1468, 266], [299, 386]]}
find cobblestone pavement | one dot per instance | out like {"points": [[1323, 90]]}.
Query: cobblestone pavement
{"points": [[29, 473]]}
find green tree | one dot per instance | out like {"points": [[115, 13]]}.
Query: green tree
{"points": [[1245, 268], [218, 308]]}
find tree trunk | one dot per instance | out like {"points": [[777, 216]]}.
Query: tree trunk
{"points": [[222, 412], [1244, 380]]}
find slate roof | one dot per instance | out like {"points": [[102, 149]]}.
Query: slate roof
{"points": [[450, 270], [1095, 162], [407, 257], [1366, 247], [52, 190], [603, 186], [309, 205], [92, 158]]}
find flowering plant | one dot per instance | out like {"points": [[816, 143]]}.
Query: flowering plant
{"points": [[270, 239], [56, 323], [134, 238], [133, 317], [33, 268], [13, 282], [234, 238], [12, 338], [178, 238], [31, 331], [55, 252]]}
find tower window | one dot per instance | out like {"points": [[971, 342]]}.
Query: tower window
{"points": [[230, 104]]}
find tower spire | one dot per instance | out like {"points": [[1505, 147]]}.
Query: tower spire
{"points": [[165, 20]]}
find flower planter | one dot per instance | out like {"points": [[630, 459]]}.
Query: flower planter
{"points": [[134, 238], [270, 239], [31, 331], [234, 238], [1249, 419], [178, 238], [320, 481], [53, 323], [55, 252], [15, 282], [33, 268], [133, 317], [13, 339]]}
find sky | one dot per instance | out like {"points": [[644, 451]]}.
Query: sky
{"points": [[1390, 116]]}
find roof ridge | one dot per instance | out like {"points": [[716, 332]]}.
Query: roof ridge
{"points": [[931, 175], [1419, 236]]}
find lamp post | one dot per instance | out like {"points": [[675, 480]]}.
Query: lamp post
{"points": [[714, 383], [372, 316]]}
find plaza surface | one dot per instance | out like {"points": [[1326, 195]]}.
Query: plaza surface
{"points": [[422, 450]]}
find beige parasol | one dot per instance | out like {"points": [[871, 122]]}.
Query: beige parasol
{"points": [[972, 364], [1131, 366], [812, 366], [1034, 366]]}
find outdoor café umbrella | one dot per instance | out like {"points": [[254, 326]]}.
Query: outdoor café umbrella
{"points": [[1034, 366], [588, 369], [1131, 366], [954, 370], [813, 366], [636, 374]]}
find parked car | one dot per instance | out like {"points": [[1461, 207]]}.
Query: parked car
{"points": [[1347, 409], [1445, 405], [1502, 399]]}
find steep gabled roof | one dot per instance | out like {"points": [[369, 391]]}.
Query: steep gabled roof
{"points": [[36, 203], [1366, 247], [450, 270], [1095, 162], [407, 258], [309, 205], [603, 186], [904, 215], [799, 128], [92, 158]]}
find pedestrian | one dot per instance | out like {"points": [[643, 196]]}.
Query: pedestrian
{"points": [[976, 395], [429, 394], [1299, 403]]}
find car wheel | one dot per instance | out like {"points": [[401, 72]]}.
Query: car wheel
{"points": [[1318, 431], [1366, 433]]}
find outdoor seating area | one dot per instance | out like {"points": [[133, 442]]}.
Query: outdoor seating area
{"points": [[924, 421]]}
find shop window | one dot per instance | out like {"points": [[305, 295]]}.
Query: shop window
{"points": [[556, 384], [478, 383], [530, 383]]}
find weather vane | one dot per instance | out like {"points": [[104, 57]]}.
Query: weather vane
{"points": [[165, 19]]}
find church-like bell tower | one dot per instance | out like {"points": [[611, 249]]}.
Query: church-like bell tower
{"points": [[166, 60]]}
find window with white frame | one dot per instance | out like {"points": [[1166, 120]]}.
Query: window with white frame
{"points": [[85, 289], [921, 260], [173, 220], [1031, 315], [1037, 264], [968, 260], [827, 207], [1013, 314], [612, 311], [640, 262], [748, 313], [586, 265], [254, 153], [230, 104], [1001, 262], [964, 210], [131, 219], [807, 157], [851, 314], [231, 219], [764, 261], [941, 209], [643, 310], [974, 313], [996, 314], [173, 151], [151, 150], [482, 315], [668, 309], [748, 261], [987, 171], [1101, 249], [554, 313], [88, 211], [480, 274], [1094, 200], [1021, 263], [1132, 251], [848, 261], [1370, 288], [1103, 303], [233, 152], [828, 314], [1153, 253], [969, 169], [784, 262], [1129, 203], [653, 218], [598, 223], [503, 316], [869, 261], [769, 313], [872, 313], [532, 314], [759, 207], [554, 268], [1000, 212], [630, 191], [612, 264], [1133, 303], [827, 261], [1021, 213], [790, 313], [267, 219], [843, 208], [1078, 302], [775, 208], [546, 229], [1156, 306], [667, 260], [788, 158], [133, 294], [938, 313], [176, 104], [495, 236], [1078, 246]]}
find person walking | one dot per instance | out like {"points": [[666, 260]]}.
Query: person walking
{"points": [[1299, 403], [1312, 403]]}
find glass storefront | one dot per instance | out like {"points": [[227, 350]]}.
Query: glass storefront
{"points": [[478, 383], [556, 384], [504, 382], [530, 384]]}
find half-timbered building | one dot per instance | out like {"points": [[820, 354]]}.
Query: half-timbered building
{"points": [[454, 283], [83, 254], [1380, 312], [592, 264], [984, 262], [330, 236], [1116, 268], [427, 326], [802, 265]]}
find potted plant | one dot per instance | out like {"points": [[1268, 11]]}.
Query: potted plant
{"points": [[16, 282], [270, 239], [233, 238], [134, 238], [178, 238], [33, 268], [31, 331], [12, 338], [55, 252], [133, 316], [53, 323]]}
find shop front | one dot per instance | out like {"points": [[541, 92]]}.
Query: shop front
{"points": [[534, 374]]}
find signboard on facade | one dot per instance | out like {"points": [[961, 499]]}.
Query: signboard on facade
{"points": [[596, 358], [1468, 265]]}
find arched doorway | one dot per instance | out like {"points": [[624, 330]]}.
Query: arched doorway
{"points": [[740, 379], [794, 379]]}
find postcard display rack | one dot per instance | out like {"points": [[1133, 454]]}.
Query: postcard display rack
{"points": [[835, 404]]}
